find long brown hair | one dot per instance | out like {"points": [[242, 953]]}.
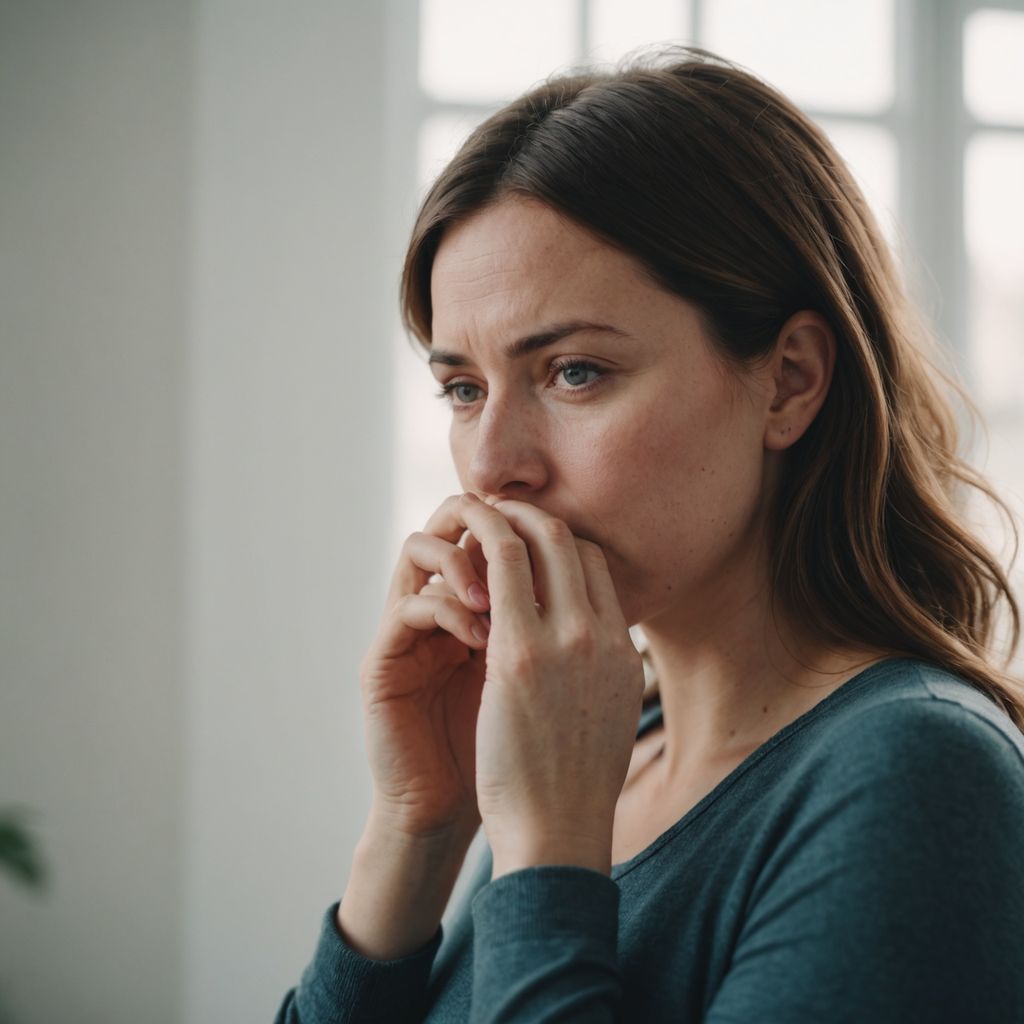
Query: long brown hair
{"points": [[736, 201]]}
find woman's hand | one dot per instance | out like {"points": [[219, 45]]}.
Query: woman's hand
{"points": [[562, 697], [421, 682], [539, 753]]}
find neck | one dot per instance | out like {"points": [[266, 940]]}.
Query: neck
{"points": [[731, 679]]}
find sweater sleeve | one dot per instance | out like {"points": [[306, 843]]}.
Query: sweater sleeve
{"points": [[545, 947], [341, 986], [895, 890]]}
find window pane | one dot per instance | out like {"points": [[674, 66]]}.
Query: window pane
{"points": [[994, 65], [827, 54], [616, 28], [994, 228], [440, 139], [483, 52], [870, 153], [423, 472]]}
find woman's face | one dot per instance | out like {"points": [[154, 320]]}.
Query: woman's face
{"points": [[583, 388]]}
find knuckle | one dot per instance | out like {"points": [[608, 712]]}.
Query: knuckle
{"points": [[411, 541], [556, 530], [522, 661], [455, 562], [623, 647], [578, 637], [511, 551], [590, 551], [436, 588]]}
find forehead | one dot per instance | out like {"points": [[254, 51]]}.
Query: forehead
{"points": [[520, 260]]}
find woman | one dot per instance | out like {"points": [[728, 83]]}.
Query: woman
{"points": [[689, 395]]}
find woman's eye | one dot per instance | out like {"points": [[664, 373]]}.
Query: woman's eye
{"points": [[575, 373], [458, 393]]}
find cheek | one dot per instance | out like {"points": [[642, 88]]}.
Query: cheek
{"points": [[688, 476], [461, 452]]}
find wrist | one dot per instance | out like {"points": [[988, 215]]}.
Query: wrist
{"points": [[397, 890], [389, 830]]}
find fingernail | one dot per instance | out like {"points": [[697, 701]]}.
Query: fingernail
{"points": [[480, 629], [478, 595]]}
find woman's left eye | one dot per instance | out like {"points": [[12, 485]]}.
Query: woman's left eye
{"points": [[574, 372]]}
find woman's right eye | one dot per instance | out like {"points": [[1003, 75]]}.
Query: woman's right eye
{"points": [[458, 393]]}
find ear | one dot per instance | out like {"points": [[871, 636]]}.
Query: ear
{"points": [[801, 368]]}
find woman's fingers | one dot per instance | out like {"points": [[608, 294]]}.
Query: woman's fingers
{"points": [[416, 613], [604, 599], [558, 575], [424, 556], [476, 555], [496, 549], [409, 575], [509, 577], [569, 569], [522, 552]]}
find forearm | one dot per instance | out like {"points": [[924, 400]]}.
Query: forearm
{"points": [[398, 889]]}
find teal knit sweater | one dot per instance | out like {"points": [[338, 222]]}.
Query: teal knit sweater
{"points": [[866, 864]]}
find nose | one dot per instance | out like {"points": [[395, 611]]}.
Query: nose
{"points": [[506, 450]]}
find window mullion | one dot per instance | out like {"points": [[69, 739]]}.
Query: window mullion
{"points": [[934, 136], [583, 17], [697, 22]]}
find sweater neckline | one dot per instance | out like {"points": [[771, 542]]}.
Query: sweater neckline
{"points": [[652, 714]]}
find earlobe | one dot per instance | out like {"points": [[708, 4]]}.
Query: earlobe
{"points": [[802, 372]]}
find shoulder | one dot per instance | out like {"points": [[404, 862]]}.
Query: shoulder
{"points": [[915, 755], [888, 884], [919, 718]]}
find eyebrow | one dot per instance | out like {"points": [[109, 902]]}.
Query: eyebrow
{"points": [[532, 342]]}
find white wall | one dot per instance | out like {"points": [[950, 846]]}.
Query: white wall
{"points": [[289, 439], [197, 282], [93, 148]]}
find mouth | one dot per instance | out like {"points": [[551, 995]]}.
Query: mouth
{"points": [[583, 534]]}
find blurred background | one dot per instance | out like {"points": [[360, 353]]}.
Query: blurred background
{"points": [[214, 436]]}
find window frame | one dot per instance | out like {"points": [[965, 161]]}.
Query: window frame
{"points": [[928, 121]]}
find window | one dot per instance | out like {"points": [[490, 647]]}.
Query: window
{"points": [[924, 101]]}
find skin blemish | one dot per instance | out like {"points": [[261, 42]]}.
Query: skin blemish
{"points": [[765, 709]]}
